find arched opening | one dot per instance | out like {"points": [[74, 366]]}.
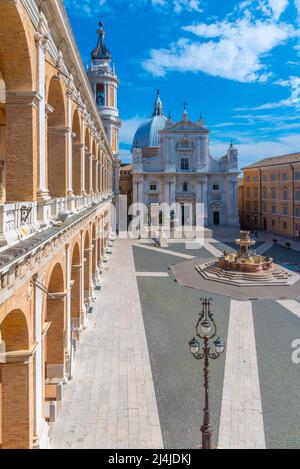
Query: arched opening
{"points": [[76, 155], [16, 383], [76, 304], [2, 139], [57, 141], [20, 111], [87, 269], [87, 162], [56, 319]]}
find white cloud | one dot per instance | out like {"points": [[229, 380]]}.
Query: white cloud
{"points": [[293, 83], [128, 129], [179, 5], [236, 53], [278, 7], [255, 150]]}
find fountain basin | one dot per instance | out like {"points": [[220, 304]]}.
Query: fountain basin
{"points": [[252, 265]]}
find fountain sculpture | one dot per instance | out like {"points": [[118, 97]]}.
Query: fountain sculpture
{"points": [[246, 260]]}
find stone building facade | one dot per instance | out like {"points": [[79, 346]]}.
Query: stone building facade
{"points": [[56, 194], [172, 164], [270, 195]]}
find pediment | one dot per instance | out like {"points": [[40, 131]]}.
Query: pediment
{"points": [[189, 125]]}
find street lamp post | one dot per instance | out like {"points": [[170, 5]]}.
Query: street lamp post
{"points": [[206, 330]]}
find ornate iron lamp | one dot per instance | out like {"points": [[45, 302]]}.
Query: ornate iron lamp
{"points": [[206, 330]]}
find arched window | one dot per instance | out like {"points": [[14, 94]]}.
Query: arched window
{"points": [[285, 194]]}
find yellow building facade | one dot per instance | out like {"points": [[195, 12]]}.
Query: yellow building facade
{"points": [[269, 196], [56, 174]]}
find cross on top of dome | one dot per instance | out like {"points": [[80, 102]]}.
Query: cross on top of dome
{"points": [[185, 117]]}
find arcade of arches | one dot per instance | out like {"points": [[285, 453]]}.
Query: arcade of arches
{"points": [[56, 196]]}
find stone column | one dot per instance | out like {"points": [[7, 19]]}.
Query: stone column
{"points": [[135, 191], [2, 181], [167, 191], [83, 151], [68, 302], [91, 169], [70, 148], [95, 175], [38, 296], [76, 298], [141, 191], [95, 273], [99, 177], [83, 319], [204, 199], [173, 192], [77, 168], [41, 42]]}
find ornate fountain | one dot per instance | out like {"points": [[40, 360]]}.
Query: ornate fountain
{"points": [[246, 260], [245, 268]]}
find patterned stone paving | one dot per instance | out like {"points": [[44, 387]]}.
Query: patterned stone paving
{"points": [[143, 313], [264, 381]]}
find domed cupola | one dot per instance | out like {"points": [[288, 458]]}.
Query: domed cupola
{"points": [[148, 133], [101, 52]]}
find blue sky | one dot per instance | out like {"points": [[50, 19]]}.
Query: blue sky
{"points": [[238, 62]]}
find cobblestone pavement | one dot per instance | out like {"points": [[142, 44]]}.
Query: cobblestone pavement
{"points": [[111, 401], [264, 380]]}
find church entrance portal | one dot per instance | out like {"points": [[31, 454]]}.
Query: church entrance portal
{"points": [[216, 218]]}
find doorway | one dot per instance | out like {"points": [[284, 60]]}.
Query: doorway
{"points": [[216, 218], [265, 225]]}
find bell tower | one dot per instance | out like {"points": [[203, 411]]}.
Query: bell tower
{"points": [[105, 83]]}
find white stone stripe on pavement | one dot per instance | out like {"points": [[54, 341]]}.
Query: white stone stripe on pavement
{"points": [[153, 274], [212, 249], [241, 425], [264, 247], [164, 251], [292, 306]]}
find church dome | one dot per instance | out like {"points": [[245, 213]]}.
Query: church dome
{"points": [[148, 133]]}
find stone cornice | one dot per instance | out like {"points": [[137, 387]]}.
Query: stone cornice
{"points": [[23, 98], [21, 356]]}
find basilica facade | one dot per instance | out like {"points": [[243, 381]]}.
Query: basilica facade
{"points": [[172, 165], [58, 164]]}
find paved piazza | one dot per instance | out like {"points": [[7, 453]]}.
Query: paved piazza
{"points": [[135, 383]]}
